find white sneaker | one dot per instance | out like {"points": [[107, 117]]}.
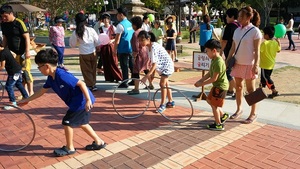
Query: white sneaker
{"points": [[8, 107]]}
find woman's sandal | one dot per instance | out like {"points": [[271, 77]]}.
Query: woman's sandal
{"points": [[60, 152], [250, 119], [236, 115], [95, 146]]}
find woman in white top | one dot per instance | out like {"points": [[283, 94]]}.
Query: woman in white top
{"points": [[247, 55], [289, 33], [146, 24], [88, 40]]}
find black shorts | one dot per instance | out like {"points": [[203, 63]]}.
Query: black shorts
{"points": [[75, 119], [26, 76]]}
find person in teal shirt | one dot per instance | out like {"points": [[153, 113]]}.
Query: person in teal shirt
{"points": [[206, 32], [216, 76]]}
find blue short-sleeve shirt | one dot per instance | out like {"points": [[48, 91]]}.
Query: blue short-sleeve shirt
{"points": [[64, 85]]}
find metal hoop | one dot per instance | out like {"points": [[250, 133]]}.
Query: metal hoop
{"points": [[135, 116], [33, 134]]}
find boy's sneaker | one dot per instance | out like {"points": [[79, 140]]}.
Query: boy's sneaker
{"points": [[274, 94], [14, 104], [170, 104], [224, 118], [161, 109], [214, 126]]}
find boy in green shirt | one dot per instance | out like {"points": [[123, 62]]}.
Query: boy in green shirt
{"points": [[268, 51], [216, 76], [158, 32]]}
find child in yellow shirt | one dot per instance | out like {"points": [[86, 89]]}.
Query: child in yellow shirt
{"points": [[268, 51]]}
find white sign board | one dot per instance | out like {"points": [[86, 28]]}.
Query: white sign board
{"points": [[201, 61]]}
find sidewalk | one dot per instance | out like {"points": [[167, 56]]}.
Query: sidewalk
{"points": [[150, 141]]}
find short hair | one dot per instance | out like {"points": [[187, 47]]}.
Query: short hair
{"points": [[105, 16], [157, 22], [137, 21], [213, 44], [270, 31], [46, 56], [147, 35], [145, 17], [6, 9], [232, 12], [122, 10]]}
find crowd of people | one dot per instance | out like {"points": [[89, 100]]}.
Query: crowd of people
{"points": [[138, 47]]}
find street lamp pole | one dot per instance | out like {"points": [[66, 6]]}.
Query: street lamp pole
{"points": [[105, 3]]}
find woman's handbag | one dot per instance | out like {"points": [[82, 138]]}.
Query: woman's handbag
{"points": [[256, 96], [231, 61]]}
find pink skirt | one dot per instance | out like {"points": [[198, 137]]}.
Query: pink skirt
{"points": [[243, 72]]}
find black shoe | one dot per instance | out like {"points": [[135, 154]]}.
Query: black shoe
{"points": [[176, 60], [123, 85], [189, 42], [131, 83], [274, 94], [214, 126], [230, 93], [224, 118]]}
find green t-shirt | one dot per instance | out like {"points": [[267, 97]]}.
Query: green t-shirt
{"points": [[218, 66], [268, 51], [158, 32]]}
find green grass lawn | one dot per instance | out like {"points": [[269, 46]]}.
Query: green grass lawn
{"points": [[40, 32]]}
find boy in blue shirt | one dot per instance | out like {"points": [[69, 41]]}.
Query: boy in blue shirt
{"points": [[76, 96], [216, 76]]}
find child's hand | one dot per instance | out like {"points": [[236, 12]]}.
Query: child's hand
{"points": [[88, 105], [198, 83]]}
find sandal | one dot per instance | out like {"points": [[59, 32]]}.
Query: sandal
{"points": [[95, 146], [236, 115], [60, 152], [250, 119]]}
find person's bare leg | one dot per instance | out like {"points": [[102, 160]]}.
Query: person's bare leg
{"points": [[231, 85], [216, 112], [90, 131], [162, 85], [136, 84], [250, 84], [69, 137], [169, 91], [30, 88], [238, 97]]}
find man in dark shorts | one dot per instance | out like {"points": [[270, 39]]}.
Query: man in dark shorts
{"points": [[232, 24], [16, 38]]}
